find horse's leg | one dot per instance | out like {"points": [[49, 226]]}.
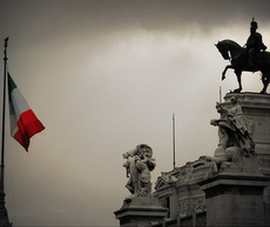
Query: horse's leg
{"points": [[265, 80], [225, 70], [238, 74]]}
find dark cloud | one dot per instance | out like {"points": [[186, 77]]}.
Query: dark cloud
{"points": [[59, 15]]}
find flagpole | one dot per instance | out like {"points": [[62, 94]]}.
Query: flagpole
{"points": [[4, 221], [3, 116], [173, 140]]}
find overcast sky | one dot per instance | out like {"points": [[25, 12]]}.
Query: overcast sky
{"points": [[103, 77]]}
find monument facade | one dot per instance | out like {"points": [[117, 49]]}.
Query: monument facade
{"points": [[230, 188]]}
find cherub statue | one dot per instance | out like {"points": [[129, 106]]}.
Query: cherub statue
{"points": [[139, 164]]}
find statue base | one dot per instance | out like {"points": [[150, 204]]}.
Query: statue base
{"points": [[234, 197], [140, 211]]}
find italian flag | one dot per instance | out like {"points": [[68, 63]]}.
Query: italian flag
{"points": [[23, 122]]}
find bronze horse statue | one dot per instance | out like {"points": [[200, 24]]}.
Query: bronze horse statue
{"points": [[238, 57]]}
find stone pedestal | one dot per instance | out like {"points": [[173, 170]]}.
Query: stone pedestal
{"points": [[235, 200], [140, 212], [256, 108], [235, 197]]}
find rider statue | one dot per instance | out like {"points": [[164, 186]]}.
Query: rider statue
{"points": [[251, 58], [254, 44]]}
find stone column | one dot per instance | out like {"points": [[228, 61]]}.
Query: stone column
{"points": [[256, 108]]}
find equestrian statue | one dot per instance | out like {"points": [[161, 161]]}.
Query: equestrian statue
{"points": [[252, 57]]}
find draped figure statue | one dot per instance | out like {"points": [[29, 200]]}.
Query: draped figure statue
{"points": [[234, 137]]}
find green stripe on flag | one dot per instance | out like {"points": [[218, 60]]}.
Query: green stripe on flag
{"points": [[11, 84]]}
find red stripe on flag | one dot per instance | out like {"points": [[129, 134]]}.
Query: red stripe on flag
{"points": [[28, 125]]}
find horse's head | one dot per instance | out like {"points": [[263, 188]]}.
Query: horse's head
{"points": [[223, 50]]}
